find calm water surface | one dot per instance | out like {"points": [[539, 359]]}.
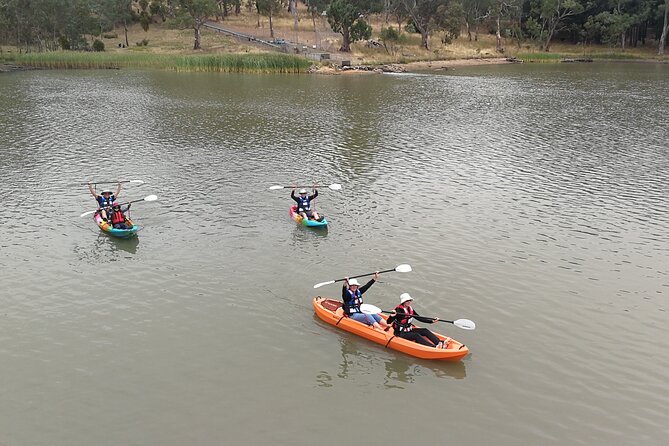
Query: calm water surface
{"points": [[530, 199]]}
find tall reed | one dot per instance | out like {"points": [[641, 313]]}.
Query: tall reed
{"points": [[228, 63]]}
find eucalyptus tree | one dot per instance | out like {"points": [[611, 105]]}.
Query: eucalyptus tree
{"points": [[475, 12], [270, 8], [551, 15], [316, 8], [665, 29], [118, 12], [423, 14], [193, 14], [347, 17]]}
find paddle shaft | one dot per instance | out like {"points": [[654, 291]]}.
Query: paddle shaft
{"points": [[368, 274], [434, 319], [113, 182]]}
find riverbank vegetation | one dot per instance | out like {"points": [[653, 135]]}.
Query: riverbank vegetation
{"points": [[173, 33]]}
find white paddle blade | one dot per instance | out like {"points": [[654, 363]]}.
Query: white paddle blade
{"points": [[151, 198], [318, 285], [465, 324], [403, 268], [370, 309], [275, 187], [335, 186], [87, 213], [136, 181]]}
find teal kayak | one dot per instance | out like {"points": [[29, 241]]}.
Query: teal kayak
{"points": [[323, 223], [109, 229]]}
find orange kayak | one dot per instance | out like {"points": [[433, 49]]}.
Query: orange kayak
{"points": [[330, 311]]}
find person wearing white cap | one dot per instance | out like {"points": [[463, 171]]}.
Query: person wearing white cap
{"points": [[401, 320], [304, 203], [351, 294], [105, 199]]}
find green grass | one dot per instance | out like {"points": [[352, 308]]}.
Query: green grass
{"points": [[226, 63], [557, 57]]}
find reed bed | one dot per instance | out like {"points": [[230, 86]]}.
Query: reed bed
{"points": [[558, 57], [226, 63]]}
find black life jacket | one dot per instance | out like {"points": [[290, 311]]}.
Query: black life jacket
{"points": [[403, 321]]}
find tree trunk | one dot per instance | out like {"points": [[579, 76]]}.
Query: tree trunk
{"points": [[665, 30], [423, 39], [469, 32], [346, 40], [196, 46], [498, 36], [125, 28], [271, 28]]}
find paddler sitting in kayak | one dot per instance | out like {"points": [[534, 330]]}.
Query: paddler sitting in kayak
{"points": [[118, 218], [351, 295], [105, 199], [304, 204], [401, 319]]}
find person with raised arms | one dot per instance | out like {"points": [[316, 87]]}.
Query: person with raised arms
{"points": [[105, 199], [351, 295], [401, 321], [304, 203]]}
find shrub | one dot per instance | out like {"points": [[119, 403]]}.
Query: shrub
{"points": [[98, 45], [64, 43], [110, 36], [143, 42]]}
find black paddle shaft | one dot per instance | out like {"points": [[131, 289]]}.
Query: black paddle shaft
{"points": [[368, 274]]}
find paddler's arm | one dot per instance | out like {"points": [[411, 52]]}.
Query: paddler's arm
{"points": [[118, 190], [90, 188], [366, 286]]}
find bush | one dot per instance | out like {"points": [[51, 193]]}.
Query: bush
{"points": [[143, 42], [64, 43], [110, 36], [98, 45]]}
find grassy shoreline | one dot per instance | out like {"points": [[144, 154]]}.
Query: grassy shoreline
{"points": [[222, 63]]}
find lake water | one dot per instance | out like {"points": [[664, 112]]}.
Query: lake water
{"points": [[530, 199]]}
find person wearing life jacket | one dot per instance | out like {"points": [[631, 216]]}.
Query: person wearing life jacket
{"points": [[105, 199], [351, 295], [118, 218], [401, 320], [304, 204]]}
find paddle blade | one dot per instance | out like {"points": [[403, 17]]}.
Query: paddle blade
{"points": [[275, 187], [318, 285], [335, 186], [403, 268], [370, 309], [87, 213], [151, 198], [465, 324], [136, 181]]}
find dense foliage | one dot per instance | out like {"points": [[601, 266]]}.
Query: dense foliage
{"points": [[74, 24]]}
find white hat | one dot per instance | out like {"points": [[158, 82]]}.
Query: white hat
{"points": [[303, 191], [353, 282], [106, 191], [404, 297]]}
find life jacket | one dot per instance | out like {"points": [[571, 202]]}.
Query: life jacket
{"points": [[105, 202], [118, 217], [303, 203], [403, 321], [353, 305]]}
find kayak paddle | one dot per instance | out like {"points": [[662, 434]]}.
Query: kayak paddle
{"points": [[147, 198], [116, 182], [334, 186], [465, 324], [399, 268]]}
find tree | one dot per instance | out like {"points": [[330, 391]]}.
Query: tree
{"points": [[423, 14], [347, 17], [552, 14], [194, 13], [391, 39], [270, 8], [475, 11], [665, 29]]}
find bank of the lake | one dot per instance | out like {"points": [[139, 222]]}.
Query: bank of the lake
{"points": [[224, 63]]}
